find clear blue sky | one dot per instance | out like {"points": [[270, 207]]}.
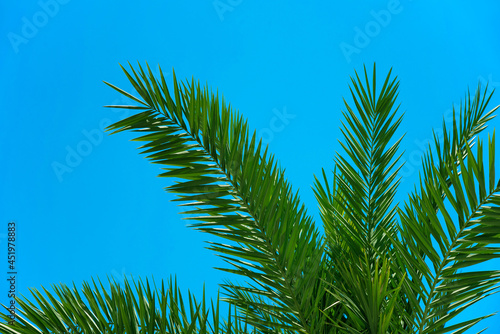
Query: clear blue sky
{"points": [[109, 214]]}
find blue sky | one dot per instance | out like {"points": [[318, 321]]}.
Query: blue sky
{"points": [[106, 213]]}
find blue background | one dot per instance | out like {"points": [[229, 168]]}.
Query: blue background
{"points": [[107, 212]]}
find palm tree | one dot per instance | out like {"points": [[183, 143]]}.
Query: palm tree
{"points": [[379, 267]]}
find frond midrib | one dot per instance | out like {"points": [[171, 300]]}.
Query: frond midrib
{"points": [[445, 259], [248, 206]]}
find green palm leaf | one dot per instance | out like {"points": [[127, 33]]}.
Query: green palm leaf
{"points": [[358, 212], [453, 185], [137, 307], [234, 188], [445, 290]]}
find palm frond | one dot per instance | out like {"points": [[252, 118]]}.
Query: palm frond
{"points": [[357, 205], [472, 119], [135, 308], [451, 229], [232, 186], [367, 179]]}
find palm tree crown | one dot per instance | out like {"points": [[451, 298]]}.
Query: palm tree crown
{"points": [[379, 267]]}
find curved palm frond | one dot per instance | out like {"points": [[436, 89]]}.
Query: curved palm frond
{"points": [[237, 190], [433, 222], [441, 243]]}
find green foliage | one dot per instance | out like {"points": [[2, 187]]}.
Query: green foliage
{"points": [[137, 308], [380, 267]]}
